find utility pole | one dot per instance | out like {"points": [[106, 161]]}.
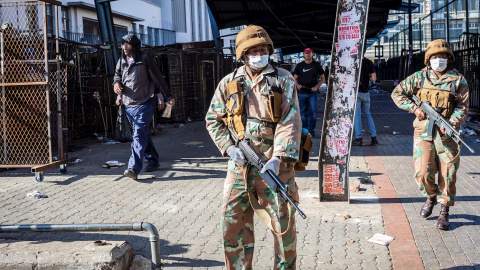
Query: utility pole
{"points": [[347, 55]]}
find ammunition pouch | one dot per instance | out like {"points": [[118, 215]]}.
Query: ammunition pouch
{"points": [[235, 118], [306, 145], [442, 100], [274, 104]]}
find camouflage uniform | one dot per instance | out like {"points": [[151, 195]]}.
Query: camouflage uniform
{"points": [[425, 157], [237, 213]]}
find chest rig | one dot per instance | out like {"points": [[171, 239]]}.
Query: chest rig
{"points": [[442, 100], [236, 117]]}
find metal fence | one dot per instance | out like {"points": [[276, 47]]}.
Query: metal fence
{"points": [[447, 22], [467, 55], [33, 85]]}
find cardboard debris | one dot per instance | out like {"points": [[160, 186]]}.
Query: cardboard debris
{"points": [[381, 239]]}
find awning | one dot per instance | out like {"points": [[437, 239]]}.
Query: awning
{"points": [[293, 25]]}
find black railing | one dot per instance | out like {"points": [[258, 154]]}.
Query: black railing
{"points": [[83, 37], [162, 37]]}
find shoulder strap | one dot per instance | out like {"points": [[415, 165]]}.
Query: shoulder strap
{"points": [[272, 78], [452, 87]]}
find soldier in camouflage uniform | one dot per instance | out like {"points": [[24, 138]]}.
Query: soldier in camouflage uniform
{"points": [[438, 153], [276, 143]]}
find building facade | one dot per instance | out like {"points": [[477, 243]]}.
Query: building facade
{"points": [[155, 22]]}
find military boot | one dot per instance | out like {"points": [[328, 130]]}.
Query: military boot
{"points": [[427, 208], [442, 222]]}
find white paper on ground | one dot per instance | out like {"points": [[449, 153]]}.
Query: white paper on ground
{"points": [[381, 239]]}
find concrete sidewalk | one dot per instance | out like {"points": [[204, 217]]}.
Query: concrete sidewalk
{"points": [[183, 201]]}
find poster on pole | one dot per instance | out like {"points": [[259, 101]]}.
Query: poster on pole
{"points": [[338, 120]]}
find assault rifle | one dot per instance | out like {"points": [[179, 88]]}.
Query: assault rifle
{"points": [[436, 119], [269, 177]]}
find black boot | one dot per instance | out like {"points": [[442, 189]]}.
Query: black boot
{"points": [[428, 207], [443, 223], [357, 142], [374, 141]]}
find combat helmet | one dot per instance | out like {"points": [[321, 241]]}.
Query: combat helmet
{"points": [[438, 46], [251, 36]]}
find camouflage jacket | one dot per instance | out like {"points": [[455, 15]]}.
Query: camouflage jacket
{"points": [[286, 135], [412, 84]]}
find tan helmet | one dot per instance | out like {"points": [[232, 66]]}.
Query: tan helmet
{"points": [[438, 46], [251, 36]]}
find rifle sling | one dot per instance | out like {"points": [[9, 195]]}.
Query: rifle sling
{"points": [[262, 140], [441, 150], [261, 212]]}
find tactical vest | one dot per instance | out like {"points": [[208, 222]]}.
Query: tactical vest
{"points": [[236, 117], [442, 100]]}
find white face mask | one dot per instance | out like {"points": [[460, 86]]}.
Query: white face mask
{"points": [[257, 61], [438, 64]]}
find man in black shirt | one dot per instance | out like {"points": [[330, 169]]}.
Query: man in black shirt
{"points": [[367, 74], [308, 76]]}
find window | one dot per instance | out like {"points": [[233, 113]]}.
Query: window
{"points": [[232, 43], [50, 22], [65, 19], [150, 35], [31, 13], [456, 29], [134, 28], [385, 39], [473, 27]]}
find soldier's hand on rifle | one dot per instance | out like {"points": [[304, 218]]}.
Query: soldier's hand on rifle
{"points": [[419, 113], [442, 129], [273, 164], [117, 88], [236, 155]]}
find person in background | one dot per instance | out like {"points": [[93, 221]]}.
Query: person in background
{"points": [[309, 76], [447, 91], [367, 75], [136, 78]]}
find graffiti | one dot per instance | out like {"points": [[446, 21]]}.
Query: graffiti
{"points": [[346, 32], [331, 177]]}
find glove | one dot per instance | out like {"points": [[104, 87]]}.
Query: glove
{"points": [[236, 155], [273, 164]]}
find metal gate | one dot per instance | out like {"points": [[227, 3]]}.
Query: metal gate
{"points": [[33, 98]]}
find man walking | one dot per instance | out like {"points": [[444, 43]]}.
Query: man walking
{"points": [[309, 76], [367, 75], [136, 79], [259, 104]]}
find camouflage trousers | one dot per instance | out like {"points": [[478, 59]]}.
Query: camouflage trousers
{"points": [[237, 217], [428, 163]]}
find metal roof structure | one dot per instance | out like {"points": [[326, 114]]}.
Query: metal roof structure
{"points": [[296, 24]]}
